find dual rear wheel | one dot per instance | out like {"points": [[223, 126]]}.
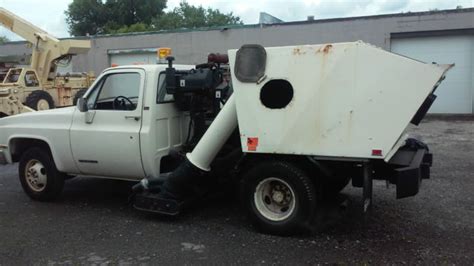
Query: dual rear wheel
{"points": [[280, 197]]}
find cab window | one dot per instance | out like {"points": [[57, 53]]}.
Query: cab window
{"points": [[163, 96], [31, 80], [12, 76], [118, 91]]}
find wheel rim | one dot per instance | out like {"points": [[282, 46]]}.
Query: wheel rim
{"points": [[35, 174], [274, 199], [42, 105]]}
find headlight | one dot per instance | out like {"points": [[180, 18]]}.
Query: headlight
{"points": [[4, 92]]}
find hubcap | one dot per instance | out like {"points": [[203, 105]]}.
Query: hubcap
{"points": [[42, 105], [274, 199], [35, 174]]}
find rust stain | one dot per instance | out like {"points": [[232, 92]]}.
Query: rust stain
{"points": [[298, 51], [327, 48], [324, 49]]}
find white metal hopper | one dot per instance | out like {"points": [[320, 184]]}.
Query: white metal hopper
{"points": [[348, 100]]}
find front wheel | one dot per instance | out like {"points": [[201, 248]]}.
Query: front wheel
{"points": [[279, 197], [39, 176], [40, 100]]}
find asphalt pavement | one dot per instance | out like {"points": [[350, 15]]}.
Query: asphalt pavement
{"points": [[92, 223]]}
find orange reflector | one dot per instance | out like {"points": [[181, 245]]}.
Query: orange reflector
{"points": [[115, 65], [163, 52]]}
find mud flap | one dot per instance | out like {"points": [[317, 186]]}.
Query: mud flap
{"points": [[408, 178]]}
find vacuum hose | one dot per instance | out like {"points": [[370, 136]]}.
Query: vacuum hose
{"points": [[192, 171]]}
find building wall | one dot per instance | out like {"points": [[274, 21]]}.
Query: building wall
{"points": [[192, 47]]}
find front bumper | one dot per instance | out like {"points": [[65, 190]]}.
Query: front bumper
{"points": [[412, 165], [3, 156]]}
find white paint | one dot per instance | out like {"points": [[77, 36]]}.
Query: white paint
{"points": [[110, 139], [347, 101], [124, 148]]}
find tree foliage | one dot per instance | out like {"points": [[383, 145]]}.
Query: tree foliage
{"points": [[121, 16], [86, 17], [188, 16], [3, 39], [96, 16], [137, 27]]}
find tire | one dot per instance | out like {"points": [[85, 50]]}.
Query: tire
{"points": [[39, 100], [39, 176], [291, 206], [78, 95]]}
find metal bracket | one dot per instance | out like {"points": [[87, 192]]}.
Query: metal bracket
{"points": [[367, 188], [89, 117]]}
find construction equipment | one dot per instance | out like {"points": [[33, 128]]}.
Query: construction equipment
{"points": [[38, 86]]}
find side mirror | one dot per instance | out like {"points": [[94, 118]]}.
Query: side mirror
{"points": [[82, 105]]}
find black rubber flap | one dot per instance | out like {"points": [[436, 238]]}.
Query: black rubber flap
{"points": [[420, 114], [250, 63]]}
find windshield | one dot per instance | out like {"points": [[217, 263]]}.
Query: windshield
{"points": [[12, 76]]}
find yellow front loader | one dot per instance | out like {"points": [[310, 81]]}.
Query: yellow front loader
{"points": [[38, 87]]}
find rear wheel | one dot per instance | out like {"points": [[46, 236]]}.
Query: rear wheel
{"points": [[39, 100], [39, 176], [279, 197]]}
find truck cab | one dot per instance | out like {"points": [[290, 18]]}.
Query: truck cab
{"points": [[124, 128], [126, 123], [22, 77]]}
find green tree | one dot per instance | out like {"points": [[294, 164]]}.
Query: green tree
{"points": [[137, 27], [86, 17], [188, 16], [129, 12], [96, 16], [3, 39], [121, 16]]}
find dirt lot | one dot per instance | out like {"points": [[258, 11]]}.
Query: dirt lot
{"points": [[92, 222]]}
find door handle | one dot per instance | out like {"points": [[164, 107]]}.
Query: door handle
{"points": [[134, 117]]}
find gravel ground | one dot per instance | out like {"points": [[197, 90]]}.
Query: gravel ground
{"points": [[92, 224]]}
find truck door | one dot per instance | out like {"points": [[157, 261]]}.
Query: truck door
{"points": [[105, 140], [167, 130]]}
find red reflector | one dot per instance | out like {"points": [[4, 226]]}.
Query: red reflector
{"points": [[252, 144], [376, 152]]}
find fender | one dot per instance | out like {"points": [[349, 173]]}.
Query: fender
{"points": [[62, 158]]}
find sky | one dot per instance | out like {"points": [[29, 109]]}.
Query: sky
{"points": [[49, 14]]}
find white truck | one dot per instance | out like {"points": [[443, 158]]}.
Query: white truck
{"points": [[297, 123]]}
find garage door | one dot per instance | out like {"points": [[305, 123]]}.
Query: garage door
{"points": [[456, 93], [132, 57]]}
